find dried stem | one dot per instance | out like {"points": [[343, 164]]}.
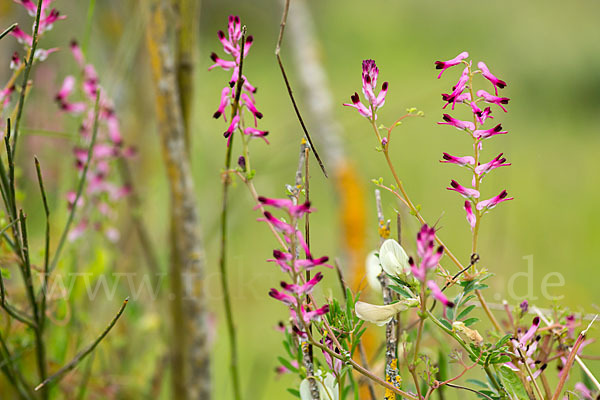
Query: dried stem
{"points": [[289, 88]]}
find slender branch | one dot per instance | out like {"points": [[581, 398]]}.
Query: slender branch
{"points": [[42, 314], [470, 390], [34, 43], [289, 88], [535, 385], [58, 375], [8, 30]]}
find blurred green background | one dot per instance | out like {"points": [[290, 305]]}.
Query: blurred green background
{"points": [[548, 52]]}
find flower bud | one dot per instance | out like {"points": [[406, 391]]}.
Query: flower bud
{"points": [[381, 315]]}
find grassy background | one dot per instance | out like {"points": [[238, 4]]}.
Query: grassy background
{"points": [[548, 52]]}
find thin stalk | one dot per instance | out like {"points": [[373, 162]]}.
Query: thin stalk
{"points": [[58, 375], [286, 8], [42, 314], [88, 26], [233, 358], [8, 30], [80, 186], [535, 385], [34, 43]]}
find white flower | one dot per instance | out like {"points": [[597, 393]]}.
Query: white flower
{"points": [[328, 388], [381, 315], [393, 258], [373, 270]]}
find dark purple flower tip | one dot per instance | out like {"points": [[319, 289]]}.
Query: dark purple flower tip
{"points": [[440, 249], [355, 99], [231, 84], [454, 184], [502, 195], [498, 128], [242, 163], [214, 56], [439, 64], [221, 35], [236, 19], [536, 320], [501, 84], [249, 39], [268, 215], [504, 100], [273, 293], [217, 115], [262, 199], [259, 115], [368, 79], [450, 304], [447, 117], [226, 134], [73, 43], [384, 86], [543, 367], [411, 261]]}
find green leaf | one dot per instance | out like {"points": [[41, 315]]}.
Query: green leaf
{"points": [[479, 383], [470, 321], [466, 311], [294, 392], [446, 324], [402, 291], [5, 273], [512, 384], [500, 360], [502, 341]]}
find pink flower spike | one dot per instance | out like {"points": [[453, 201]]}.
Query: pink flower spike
{"points": [[462, 161], [47, 22], [491, 99], [494, 201], [487, 133], [471, 219], [530, 334], [497, 162], [21, 36], [225, 100], [485, 72], [256, 133], [457, 123], [439, 295], [463, 191], [283, 297], [364, 111], [219, 62], [444, 65], [425, 240]]}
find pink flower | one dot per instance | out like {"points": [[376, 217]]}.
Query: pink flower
{"points": [[471, 219], [256, 133], [444, 65], [461, 98], [356, 103], [296, 211], [497, 162], [485, 72], [457, 123], [283, 297], [225, 100], [429, 255], [494, 201], [21, 36], [438, 294], [491, 99], [219, 62], [314, 315], [277, 223], [334, 363], [15, 61], [463, 191], [77, 54], [66, 88], [487, 133], [305, 288], [232, 127], [247, 101], [462, 161], [48, 21], [479, 114]]}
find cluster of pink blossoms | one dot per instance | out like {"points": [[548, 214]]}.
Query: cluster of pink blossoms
{"points": [[101, 193], [232, 45], [462, 93], [429, 257], [370, 73], [294, 294]]}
